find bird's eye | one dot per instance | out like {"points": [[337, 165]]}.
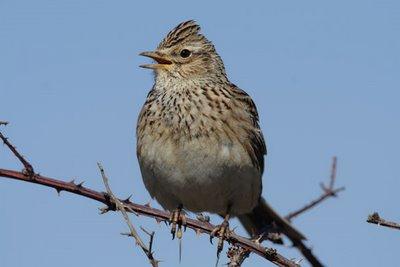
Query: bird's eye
{"points": [[185, 53]]}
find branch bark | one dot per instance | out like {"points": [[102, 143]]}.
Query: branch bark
{"points": [[28, 167], [376, 219]]}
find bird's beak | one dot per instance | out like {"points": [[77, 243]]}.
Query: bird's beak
{"points": [[161, 59]]}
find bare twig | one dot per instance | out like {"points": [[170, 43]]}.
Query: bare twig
{"points": [[328, 191], [376, 219], [3, 122], [28, 167], [198, 226], [132, 231], [238, 255], [151, 237]]}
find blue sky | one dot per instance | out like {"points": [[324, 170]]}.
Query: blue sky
{"points": [[325, 78]]}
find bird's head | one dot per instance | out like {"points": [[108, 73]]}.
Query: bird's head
{"points": [[185, 53]]}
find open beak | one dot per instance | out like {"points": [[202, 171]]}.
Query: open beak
{"points": [[160, 58]]}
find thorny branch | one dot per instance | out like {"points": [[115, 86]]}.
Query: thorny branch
{"points": [[328, 191], [151, 236], [199, 226], [237, 255], [28, 167], [132, 231], [376, 219]]}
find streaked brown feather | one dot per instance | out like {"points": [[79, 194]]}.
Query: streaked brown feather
{"points": [[185, 31], [256, 148]]}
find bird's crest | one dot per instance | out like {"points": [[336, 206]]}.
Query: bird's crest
{"points": [[185, 31]]}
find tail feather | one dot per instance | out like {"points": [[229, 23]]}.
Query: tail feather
{"points": [[263, 218]]}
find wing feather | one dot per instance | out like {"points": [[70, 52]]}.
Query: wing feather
{"points": [[256, 148]]}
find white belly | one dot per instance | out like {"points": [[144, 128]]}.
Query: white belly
{"points": [[201, 176]]}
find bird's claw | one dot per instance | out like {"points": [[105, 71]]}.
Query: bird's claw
{"points": [[223, 233], [177, 220]]}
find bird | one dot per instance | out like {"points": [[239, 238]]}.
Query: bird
{"points": [[199, 143]]}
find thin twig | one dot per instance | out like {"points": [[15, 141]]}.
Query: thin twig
{"points": [[376, 219], [132, 231], [28, 167], [333, 174], [151, 237], [3, 122], [328, 191], [159, 215], [238, 255]]}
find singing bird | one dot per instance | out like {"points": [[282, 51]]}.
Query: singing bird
{"points": [[199, 144]]}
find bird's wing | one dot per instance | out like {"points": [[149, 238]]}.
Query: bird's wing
{"points": [[256, 147], [263, 216]]}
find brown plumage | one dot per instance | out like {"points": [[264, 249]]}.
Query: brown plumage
{"points": [[199, 142]]}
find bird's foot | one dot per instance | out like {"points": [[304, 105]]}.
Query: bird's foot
{"points": [[223, 232], [177, 220]]}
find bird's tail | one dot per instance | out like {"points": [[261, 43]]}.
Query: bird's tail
{"points": [[263, 218]]}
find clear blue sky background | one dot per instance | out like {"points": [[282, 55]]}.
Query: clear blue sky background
{"points": [[325, 78]]}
